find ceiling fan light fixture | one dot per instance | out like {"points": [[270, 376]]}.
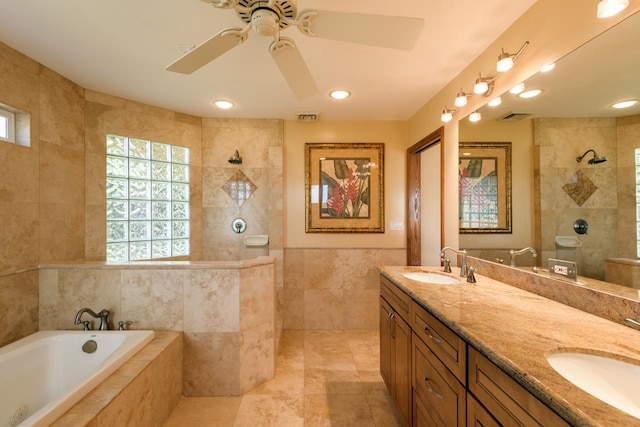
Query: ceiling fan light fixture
{"points": [[339, 94], [609, 8], [624, 104], [223, 104]]}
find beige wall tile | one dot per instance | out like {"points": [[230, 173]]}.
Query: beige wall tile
{"points": [[201, 352], [61, 232], [48, 299], [324, 309], [96, 289], [19, 235], [257, 356], [166, 386], [211, 301], [152, 299], [132, 407], [18, 305]]}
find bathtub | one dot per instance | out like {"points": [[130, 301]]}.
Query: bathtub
{"points": [[43, 375]]}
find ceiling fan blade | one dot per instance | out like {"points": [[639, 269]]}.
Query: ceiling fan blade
{"points": [[207, 51], [393, 32], [293, 68]]}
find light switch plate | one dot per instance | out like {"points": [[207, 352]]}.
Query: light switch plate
{"points": [[396, 225]]}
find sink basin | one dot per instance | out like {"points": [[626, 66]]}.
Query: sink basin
{"points": [[613, 381], [432, 278]]}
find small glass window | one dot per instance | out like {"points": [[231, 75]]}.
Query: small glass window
{"points": [[7, 126], [147, 199]]}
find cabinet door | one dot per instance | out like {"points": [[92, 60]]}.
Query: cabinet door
{"points": [[385, 342], [421, 415], [401, 366]]}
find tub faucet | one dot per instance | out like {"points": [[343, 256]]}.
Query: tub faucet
{"points": [[513, 254], [103, 316], [463, 267]]}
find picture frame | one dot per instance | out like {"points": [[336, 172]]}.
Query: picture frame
{"points": [[484, 184], [344, 187]]}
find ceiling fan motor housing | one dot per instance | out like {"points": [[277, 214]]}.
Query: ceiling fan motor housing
{"points": [[264, 21]]}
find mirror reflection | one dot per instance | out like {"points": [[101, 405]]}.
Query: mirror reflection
{"points": [[576, 160]]}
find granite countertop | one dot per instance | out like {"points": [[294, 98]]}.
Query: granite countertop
{"points": [[515, 329]]}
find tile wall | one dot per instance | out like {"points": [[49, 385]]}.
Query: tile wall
{"points": [[226, 311], [567, 190], [334, 288]]}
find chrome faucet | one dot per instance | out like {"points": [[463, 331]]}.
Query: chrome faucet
{"points": [[463, 267], [103, 316], [513, 254]]}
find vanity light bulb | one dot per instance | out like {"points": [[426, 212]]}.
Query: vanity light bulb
{"points": [[480, 87], [475, 116], [446, 116], [505, 62], [461, 100]]}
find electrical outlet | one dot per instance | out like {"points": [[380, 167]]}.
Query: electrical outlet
{"points": [[566, 269]]}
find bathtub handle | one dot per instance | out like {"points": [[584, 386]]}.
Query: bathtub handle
{"points": [[86, 326]]}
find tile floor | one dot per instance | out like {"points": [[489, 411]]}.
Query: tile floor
{"points": [[323, 378]]}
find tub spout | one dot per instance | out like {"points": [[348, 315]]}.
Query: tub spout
{"points": [[103, 316]]}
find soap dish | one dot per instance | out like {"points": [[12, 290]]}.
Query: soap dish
{"points": [[568, 241], [256, 240]]}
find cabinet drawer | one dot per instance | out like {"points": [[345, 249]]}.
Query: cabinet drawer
{"points": [[399, 301], [448, 346], [477, 416], [508, 402], [438, 389]]}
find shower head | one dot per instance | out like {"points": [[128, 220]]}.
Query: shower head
{"points": [[594, 160], [235, 159]]}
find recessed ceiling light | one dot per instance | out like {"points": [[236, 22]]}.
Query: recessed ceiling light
{"points": [[625, 104], [519, 88], [548, 67], [340, 94], [530, 93], [495, 102], [223, 104]]}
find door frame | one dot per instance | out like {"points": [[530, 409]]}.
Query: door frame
{"points": [[414, 186]]}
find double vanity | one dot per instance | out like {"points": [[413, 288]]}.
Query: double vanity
{"points": [[455, 353]]}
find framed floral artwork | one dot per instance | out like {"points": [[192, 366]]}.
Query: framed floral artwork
{"points": [[344, 187]]}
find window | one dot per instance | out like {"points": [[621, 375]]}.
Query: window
{"points": [[147, 200], [7, 126]]}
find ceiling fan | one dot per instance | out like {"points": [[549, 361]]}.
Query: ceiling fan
{"points": [[269, 17]]}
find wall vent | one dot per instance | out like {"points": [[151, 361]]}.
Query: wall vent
{"points": [[308, 117], [514, 117]]}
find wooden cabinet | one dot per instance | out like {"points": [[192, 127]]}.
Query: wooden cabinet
{"points": [[438, 391], [507, 401], [395, 358], [437, 380]]}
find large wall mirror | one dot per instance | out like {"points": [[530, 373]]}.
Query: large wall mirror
{"points": [[552, 190]]}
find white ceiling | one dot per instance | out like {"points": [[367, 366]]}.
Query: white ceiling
{"points": [[120, 47]]}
